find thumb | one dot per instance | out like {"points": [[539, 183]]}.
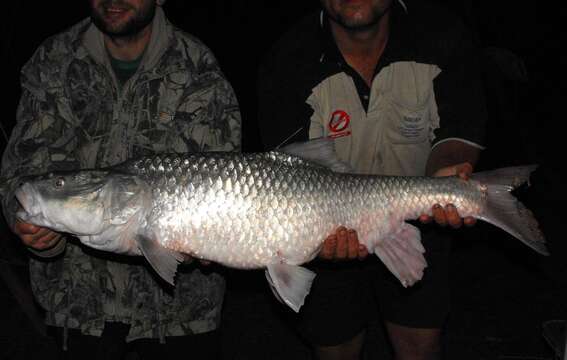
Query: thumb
{"points": [[464, 170]]}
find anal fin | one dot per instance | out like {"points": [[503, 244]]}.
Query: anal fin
{"points": [[163, 260], [291, 284]]}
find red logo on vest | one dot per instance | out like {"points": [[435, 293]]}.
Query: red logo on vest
{"points": [[338, 123]]}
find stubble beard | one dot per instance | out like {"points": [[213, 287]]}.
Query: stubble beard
{"points": [[126, 29]]}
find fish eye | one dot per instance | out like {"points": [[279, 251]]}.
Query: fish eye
{"points": [[59, 182]]}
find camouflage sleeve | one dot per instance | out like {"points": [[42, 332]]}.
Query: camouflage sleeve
{"points": [[209, 117], [42, 139]]}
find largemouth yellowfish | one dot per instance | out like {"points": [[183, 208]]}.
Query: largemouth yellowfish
{"points": [[268, 210]]}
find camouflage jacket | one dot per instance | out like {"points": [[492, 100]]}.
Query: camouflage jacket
{"points": [[72, 115]]}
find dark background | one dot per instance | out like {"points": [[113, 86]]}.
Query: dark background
{"points": [[503, 291]]}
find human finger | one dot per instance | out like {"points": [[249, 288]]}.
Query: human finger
{"points": [[32, 239], [439, 215], [469, 221], [464, 170], [23, 228], [352, 252], [362, 252], [329, 247], [47, 240], [452, 216], [341, 251], [425, 219]]}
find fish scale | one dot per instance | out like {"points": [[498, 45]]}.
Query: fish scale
{"points": [[315, 188]]}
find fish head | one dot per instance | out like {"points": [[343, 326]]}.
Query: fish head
{"points": [[71, 202], [103, 209]]}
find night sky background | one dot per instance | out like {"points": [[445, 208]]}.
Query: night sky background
{"points": [[524, 83], [240, 32]]}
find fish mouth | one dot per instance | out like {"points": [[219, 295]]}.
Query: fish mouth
{"points": [[27, 197]]}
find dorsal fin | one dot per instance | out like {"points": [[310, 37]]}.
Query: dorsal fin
{"points": [[320, 151]]}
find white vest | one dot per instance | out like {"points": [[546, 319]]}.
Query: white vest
{"points": [[394, 136]]}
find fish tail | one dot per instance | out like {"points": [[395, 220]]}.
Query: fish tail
{"points": [[506, 211]]}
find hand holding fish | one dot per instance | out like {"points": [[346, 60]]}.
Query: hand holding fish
{"points": [[343, 245], [36, 237], [449, 214]]}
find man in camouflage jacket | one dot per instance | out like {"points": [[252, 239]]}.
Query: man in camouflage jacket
{"points": [[78, 111]]}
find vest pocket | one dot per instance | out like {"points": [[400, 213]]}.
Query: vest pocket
{"points": [[407, 125]]}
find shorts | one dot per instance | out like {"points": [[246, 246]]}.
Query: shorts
{"points": [[344, 295]]}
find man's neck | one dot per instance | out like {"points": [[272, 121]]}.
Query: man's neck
{"points": [[362, 48], [128, 48]]}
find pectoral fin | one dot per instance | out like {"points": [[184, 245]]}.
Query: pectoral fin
{"points": [[402, 253], [290, 283], [163, 260]]}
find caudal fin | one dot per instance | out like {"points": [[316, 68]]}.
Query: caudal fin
{"points": [[505, 211]]}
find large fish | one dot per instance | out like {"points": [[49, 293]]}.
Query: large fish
{"points": [[265, 210]]}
